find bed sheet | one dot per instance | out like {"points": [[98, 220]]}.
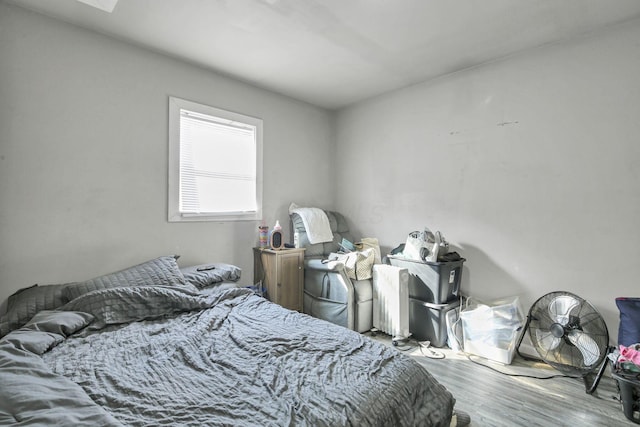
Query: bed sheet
{"points": [[167, 356]]}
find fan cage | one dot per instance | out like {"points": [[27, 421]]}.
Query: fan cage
{"points": [[560, 352]]}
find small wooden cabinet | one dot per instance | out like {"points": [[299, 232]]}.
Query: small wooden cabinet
{"points": [[282, 273]]}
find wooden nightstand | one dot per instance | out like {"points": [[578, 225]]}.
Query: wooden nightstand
{"points": [[282, 273]]}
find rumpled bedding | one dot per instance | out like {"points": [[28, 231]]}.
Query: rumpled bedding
{"points": [[161, 355], [30, 393]]}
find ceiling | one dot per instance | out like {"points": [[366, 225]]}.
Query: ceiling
{"points": [[333, 53]]}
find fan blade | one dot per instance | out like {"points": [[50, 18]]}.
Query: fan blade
{"points": [[560, 307], [587, 346], [547, 341]]}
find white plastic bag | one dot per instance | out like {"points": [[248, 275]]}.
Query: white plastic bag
{"points": [[425, 246]]}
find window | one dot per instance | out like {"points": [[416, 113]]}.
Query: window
{"points": [[215, 164]]}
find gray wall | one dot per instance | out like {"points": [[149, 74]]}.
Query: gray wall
{"points": [[528, 165], [83, 155]]}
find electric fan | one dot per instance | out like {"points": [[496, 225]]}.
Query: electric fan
{"points": [[570, 335]]}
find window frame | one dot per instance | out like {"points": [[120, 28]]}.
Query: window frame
{"points": [[174, 214]]}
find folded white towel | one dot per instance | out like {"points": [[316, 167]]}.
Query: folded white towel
{"points": [[316, 223]]}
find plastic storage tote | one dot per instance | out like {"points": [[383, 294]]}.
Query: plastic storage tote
{"points": [[427, 321], [492, 330], [433, 282], [629, 386]]}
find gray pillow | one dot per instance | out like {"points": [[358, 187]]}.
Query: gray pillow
{"points": [[204, 275], [128, 304], [160, 271], [47, 329], [62, 323], [25, 303]]}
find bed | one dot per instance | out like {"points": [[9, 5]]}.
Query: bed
{"points": [[158, 345]]}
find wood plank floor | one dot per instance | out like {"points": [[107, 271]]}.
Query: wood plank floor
{"points": [[494, 399]]}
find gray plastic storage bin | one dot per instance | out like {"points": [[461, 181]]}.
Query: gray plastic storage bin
{"points": [[427, 321], [434, 282], [629, 394]]}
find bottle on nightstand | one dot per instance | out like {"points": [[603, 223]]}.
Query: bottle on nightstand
{"points": [[276, 240]]}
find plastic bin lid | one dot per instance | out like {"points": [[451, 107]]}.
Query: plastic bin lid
{"points": [[419, 261], [447, 305]]}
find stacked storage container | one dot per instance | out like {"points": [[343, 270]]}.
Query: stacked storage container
{"points": [[433, 291]]}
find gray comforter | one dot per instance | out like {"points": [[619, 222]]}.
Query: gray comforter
{"points": [[147, 356]]}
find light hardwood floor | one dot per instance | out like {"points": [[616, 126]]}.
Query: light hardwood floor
{"points": [[496, 400]]}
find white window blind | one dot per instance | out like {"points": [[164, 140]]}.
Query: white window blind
{"points": [[218, 165]]}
